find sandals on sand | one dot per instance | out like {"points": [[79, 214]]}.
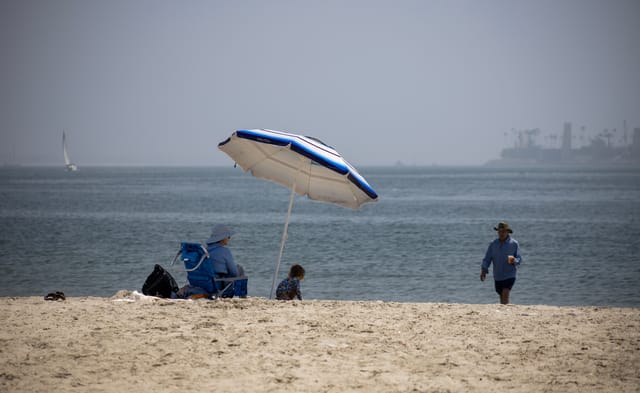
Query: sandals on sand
{"points": [[55, 296]]}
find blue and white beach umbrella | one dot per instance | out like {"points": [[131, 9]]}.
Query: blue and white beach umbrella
{"points": [[301, 163]]}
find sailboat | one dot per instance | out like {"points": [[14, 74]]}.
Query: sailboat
{"points": [[69, 166]]}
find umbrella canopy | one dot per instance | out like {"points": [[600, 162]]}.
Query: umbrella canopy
{"points": [[304, 164]]}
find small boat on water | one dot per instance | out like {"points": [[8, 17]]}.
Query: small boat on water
{"points": [[69, 166]]}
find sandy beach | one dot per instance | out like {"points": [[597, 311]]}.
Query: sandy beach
{"points": [[133, 343]]}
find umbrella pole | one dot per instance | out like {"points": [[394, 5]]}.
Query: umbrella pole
{"points": [[284, 238]]}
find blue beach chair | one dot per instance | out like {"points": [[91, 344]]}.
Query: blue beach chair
{"points": [[200, 273]]}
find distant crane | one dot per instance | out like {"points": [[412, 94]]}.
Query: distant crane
{"points": [[607, 135]]}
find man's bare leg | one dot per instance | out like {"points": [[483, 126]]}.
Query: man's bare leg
{"points": [[504, 296]]}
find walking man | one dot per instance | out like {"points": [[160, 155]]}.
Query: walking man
{"points": [[505, 255]]}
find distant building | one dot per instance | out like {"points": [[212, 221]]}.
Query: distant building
{"points": [[605, 148]]}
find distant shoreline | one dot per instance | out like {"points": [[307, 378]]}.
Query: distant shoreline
{"points": [[502, 163]]}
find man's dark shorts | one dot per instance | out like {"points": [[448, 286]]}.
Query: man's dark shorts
{"points": [[508, 283]]}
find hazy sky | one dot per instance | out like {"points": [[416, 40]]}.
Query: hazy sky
{"points": [[422, 82]]}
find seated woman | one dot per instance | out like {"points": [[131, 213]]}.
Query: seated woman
{"points": [[220, 262], [223, 263]]}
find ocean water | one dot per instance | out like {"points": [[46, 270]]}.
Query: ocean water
{"points": [[99, 230]]}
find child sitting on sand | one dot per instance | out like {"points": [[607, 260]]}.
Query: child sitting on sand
{"points": [[290, 286]]}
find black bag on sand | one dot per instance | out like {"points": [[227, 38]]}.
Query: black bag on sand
{"points": [[159, 283]]}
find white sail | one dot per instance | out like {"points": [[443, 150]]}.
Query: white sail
{"points": [[67, 162]]}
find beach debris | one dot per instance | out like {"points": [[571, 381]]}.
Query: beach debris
{"points": [[132, 296]]}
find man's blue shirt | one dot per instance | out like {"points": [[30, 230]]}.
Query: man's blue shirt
{"points": [[498, 253]]}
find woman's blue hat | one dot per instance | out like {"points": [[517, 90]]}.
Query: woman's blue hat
{"points": [[219, 232]]}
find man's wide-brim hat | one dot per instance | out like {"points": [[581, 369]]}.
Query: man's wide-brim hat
{"points": [[503, 226], [219, 232]]}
